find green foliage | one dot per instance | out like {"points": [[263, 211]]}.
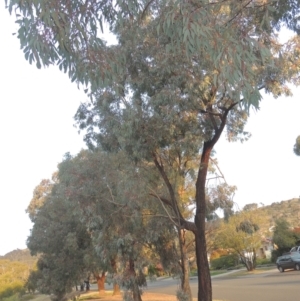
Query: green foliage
{"points": [[12, 291], [77, 229], [67, 34], [263, 261], [13, 276], [242, 236], [14, 297], [63, 242], [286, 13], [152, 109], [219, 197], [283, 237], [297, 146], [39, 196], [224, 262], [32, 282]]}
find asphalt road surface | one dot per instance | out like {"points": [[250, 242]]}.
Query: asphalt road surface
{"points": [[269, 286]]}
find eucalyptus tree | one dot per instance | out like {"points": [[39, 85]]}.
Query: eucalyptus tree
{"points": [[40, 194], [62, 243], [183, 71], [123, 219], [283, 237], [168, 107]]}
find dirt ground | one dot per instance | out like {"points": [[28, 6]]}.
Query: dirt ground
{"points": [[108, 297], [145, 297]]}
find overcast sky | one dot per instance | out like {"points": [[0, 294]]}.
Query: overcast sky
{"points": [[36, 130]]}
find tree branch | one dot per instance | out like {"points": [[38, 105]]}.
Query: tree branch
{"points": [[162, 203], [216, 164], [190, 226]]}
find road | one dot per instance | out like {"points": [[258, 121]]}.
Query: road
{"points": [[269, 286]]}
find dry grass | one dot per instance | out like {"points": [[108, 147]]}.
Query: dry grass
{"points": [[108, 297], [145, 297], [42, 298]]}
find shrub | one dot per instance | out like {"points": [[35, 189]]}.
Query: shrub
{"points": [[262, 261], [224, 262], [11, 289]]}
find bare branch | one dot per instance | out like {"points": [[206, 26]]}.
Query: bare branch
{"points": [[217, 165], [162, 203]]}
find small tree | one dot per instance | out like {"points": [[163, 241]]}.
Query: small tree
{"points": [[112, 198], [284, 238], [241, 235], [63, 242]]}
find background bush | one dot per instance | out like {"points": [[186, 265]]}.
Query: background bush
{"points": [[224, 262]]}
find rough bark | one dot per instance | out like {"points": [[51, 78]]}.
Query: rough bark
{"points": [[136, 294], [185, 282]]}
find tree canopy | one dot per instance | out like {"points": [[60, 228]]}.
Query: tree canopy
{"points": [[13, 276], [63, 244], [99, 216], [180, 74], [241, 235], [283, 237]]}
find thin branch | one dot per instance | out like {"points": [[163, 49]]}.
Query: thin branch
{"points": [[190, 226], [146, 7], [162, 203], [216, 164], [110, 193], [160, 167], [238, 13]]}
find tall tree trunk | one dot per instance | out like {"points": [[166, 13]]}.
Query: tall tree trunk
{"points": [[185, 281], [204, 280], [136, 294], [116, 287], [101, 283]]}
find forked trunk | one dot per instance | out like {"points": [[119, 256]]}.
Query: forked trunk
{"points": [[250, 261]]}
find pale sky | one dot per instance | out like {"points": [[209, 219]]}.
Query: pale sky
{"points": [[36, 130]]}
